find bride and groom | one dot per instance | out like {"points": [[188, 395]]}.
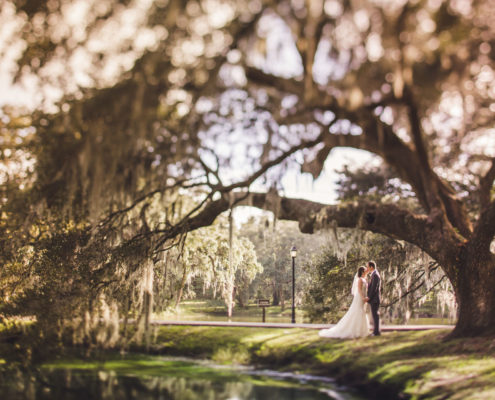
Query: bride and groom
{"points": [[355, 322]]}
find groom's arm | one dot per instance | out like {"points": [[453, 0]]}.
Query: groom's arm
{"points": [[373, 288]]}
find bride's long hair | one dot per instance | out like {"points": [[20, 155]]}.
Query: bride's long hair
{"points": [[360, 271]]}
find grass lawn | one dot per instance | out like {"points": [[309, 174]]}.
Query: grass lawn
{"points": [[211, 310], [417, 365], [215, 310]]}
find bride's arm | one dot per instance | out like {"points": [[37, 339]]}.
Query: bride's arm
{"points": [[360, 289]]}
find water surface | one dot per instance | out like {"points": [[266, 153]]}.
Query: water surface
{"points": [[147, 378]]}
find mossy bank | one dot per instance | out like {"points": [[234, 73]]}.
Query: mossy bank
{"points": [[416, 365]]}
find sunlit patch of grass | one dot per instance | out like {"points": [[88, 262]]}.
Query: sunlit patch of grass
{"points": [[397, 372], [261, 335], [221, 344], [231, 356], [292, 337], [461, 380]]}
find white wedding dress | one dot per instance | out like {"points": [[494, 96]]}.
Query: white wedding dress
{"points": [[354, 323]]}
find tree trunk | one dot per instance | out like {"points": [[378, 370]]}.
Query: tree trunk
{"points": [[232, 301], [147, 305], [242, 294], [228, 296], [241, 298], [475, 293], [229, 304], [181, 288], [276, 297], [127, 308]]}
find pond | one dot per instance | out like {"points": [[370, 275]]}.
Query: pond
{"points": [[152, 377]]}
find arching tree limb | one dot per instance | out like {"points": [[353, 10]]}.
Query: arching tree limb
{"points": [[484, 231], [387, 219], [410, 162]]}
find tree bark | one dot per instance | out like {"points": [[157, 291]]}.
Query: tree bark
{"points": [[276, 297], [474, 288], [474, 279]]}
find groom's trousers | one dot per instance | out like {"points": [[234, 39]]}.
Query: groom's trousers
{"points": [[376, 318]]}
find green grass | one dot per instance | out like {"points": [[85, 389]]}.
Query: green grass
{"points": [[212, 310], [215, 310], [420, 365]]}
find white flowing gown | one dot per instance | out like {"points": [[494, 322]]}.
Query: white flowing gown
{"points": [[354, 323]]}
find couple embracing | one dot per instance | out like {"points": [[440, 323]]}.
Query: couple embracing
{"points": [[355, 322]]}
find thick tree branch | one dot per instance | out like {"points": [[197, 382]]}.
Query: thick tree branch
{"points": [[431, 191], [412, 164], [310, 31], [283, 84], [195, 218], [484, 231], [486, 185], [416, 131], [437, 192], [386, 219]]}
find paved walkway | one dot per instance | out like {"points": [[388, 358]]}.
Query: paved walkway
{"points": [[384, 328]]}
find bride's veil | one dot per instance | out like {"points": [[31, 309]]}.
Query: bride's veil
{"points": [[354, 289]]}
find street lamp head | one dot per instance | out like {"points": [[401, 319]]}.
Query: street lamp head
{"points": [[293, 252]]}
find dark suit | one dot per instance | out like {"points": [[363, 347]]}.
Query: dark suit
{"points": [[374, 292]]}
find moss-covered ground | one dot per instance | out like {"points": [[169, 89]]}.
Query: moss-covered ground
{"points": [[417, 365]]}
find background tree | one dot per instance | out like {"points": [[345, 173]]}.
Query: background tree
{"points": [[273, 241], [206, 259], [229, 263]]}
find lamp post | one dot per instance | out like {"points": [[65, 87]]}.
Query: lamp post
{"points": [[293, 254]]}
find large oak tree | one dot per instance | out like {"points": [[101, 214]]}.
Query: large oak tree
{"points": [[221, 98]]}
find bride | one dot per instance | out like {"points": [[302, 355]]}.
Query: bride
{"points": [[355, 322]]}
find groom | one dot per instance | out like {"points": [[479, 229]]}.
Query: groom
{"points": [[374, 296]]}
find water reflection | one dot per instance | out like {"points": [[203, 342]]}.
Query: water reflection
{"points": [[201, 384]]}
